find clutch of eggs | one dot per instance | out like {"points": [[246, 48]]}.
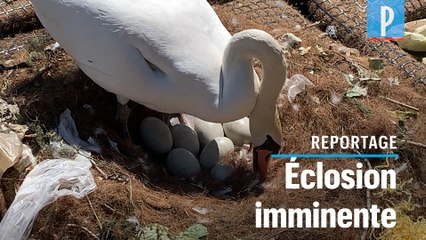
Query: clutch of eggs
{"points": [[182, 145]]}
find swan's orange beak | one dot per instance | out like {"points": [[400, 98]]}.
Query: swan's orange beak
{"points": [[262, 160], [262, 156]]}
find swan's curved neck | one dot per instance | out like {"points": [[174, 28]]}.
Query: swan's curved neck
{"points": [[238, 71]]}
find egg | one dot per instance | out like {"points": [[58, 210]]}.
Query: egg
{"points": [[185, 137], [214, 151], [207, 131], [156, 135], [182, 163], [238, 131], [221, 172]]}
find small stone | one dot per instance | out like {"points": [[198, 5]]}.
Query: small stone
{"points": [[298, 27], [331, 31]]}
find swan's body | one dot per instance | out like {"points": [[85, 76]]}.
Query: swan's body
{"points": [[110, 41], [174, 56]]}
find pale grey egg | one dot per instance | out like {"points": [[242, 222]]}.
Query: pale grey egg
{"points": [[221, 172], [214, 151], [185, 137], [182, 163], [238, 131], [207, 131], [156, 135]]}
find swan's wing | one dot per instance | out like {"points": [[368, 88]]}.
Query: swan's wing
{"points": [[118, 41], [175, 35], [183, 38], [184, 33]]}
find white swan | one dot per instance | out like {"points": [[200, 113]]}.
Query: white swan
{"points": [[174, 56]]}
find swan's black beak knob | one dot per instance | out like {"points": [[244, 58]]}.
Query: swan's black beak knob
{"points": [[262, 156]]}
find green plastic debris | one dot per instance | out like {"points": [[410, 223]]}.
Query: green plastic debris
{"points": [[160, 232], [365, 110], [356, 91], [195, 232], [405, 115], [376, 64], [154, 232]]}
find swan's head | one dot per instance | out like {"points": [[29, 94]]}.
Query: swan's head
{"points": [[266, 141], [262, 155]]}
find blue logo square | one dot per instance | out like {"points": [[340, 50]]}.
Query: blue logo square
{"points": [[385, 19]]}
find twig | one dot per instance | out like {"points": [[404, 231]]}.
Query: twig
{"points": [[12, 49], [30, 135], [131, 191], [85, 229], [104, 175], [112, 209], [37, 76], [414, 143], [94, 213], [400, 103], [312, 24]]}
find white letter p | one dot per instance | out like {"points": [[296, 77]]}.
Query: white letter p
{"points": [[383, 22]]}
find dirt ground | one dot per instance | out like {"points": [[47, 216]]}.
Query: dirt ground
{"points": [[137, 185]]}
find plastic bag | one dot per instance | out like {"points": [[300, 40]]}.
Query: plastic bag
{"points": [[295, 85], [415, 37], [48, 181], [69, 133], [10, 151], [14, 153]]}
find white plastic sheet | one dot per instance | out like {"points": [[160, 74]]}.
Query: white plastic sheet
{"points": [[14, 153], [415, 36], [47, 182], [10, 150], [68, 131], [294, 86]]}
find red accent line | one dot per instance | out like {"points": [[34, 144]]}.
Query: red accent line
{"points": [[384, 39]]}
